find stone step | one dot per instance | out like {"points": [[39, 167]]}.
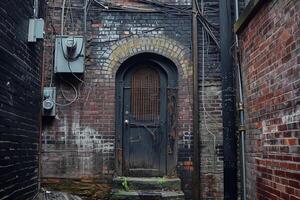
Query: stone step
{"points": [[153, 183], [146, 195]]}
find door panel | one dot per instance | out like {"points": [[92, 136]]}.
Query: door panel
{"points": [[145, 122]]}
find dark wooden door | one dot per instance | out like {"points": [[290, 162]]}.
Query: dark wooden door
{"points": [[144, 122]]}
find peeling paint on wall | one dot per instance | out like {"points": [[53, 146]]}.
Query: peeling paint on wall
{"points": [[79, 151]]}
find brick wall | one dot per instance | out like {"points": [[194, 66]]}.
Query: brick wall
{"points": [[270, 48], [20, 64], [79, 142], [210, 96]]}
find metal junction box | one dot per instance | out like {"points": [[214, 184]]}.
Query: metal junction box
{"points": [[69, 54], [49, 101], [35, 30]]}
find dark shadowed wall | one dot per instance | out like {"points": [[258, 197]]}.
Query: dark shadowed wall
{"points": [[20, 83]]}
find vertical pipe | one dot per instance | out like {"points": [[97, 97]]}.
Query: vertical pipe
{"points": [[62, 18], [35, 8], [196, 171], [241, 110], [86, 3], [228, 103]]}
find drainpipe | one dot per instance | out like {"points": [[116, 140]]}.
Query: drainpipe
{"points": [[196, 162], [228, 102], [36, 15], [242, 129]]}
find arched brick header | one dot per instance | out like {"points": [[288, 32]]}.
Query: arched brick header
{"points": [[166, 47], [180, 56]]}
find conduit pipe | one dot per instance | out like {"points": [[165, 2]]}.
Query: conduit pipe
{"points": [[62, 18], [228, 102], [86, 3], [242, 129], [196, 160]]}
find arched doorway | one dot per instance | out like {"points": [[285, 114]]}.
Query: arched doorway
{"points": [[146, 116]]}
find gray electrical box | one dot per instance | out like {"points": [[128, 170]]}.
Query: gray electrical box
{"points": [[69, 54], [49, 101], [35, 30]]}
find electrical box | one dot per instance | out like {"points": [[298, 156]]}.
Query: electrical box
{"points": [[69, 54], [35, 30], [49, 101]]}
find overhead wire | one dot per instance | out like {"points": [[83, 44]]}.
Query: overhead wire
{"points": [[111, 5], [205, 24], [188, 82], [164, 7], [101, 4]]}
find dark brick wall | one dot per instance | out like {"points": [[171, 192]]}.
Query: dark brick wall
{"points": [[79, 142], [20, 64], [270, 48], [210, 105]]}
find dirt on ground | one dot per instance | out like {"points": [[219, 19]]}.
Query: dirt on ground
{"points": [[51, 195]]}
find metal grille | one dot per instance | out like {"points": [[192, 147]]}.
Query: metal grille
{"points": [[145, 95]]}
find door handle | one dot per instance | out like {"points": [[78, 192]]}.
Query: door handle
{"points": [[126, 122]]}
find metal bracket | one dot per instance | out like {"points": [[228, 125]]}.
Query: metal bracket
{"points": [[242, 128], [241, 106]]}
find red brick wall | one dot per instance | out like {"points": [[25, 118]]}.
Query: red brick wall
{"points": [[270, 47]]}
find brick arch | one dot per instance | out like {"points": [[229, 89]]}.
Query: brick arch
{"points": [[166, 47]]}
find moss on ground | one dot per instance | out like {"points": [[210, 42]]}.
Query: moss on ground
{"points": [[86, 189]]}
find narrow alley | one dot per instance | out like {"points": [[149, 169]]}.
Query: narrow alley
{"points": [[150, 99]]}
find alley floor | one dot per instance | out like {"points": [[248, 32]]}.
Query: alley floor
{"points": [[49, 195]]}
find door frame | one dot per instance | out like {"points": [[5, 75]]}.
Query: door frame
{"points": [[170, 69]]}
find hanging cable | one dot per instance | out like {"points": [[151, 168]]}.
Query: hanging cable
{"points": [[79, 79], [206, 24], [204, 38], [101, 4], [70, 101], [205, 113]]}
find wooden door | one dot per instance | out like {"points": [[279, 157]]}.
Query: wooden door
{"points": [[144, 122]]}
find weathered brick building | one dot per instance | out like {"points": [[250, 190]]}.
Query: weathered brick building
{"points": [[20, 82], [84, 141], [132, 111], [270, 49], [80, 142]]}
